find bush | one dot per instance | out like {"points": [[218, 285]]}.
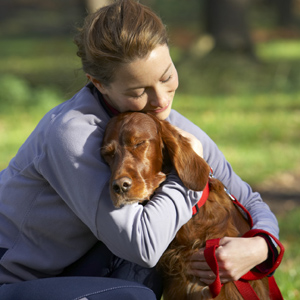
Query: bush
{"points": [[18, 94], [14, 91]]}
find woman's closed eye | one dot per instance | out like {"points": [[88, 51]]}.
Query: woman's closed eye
{"points": [[163, 80], [140, 95], [166, 80]]}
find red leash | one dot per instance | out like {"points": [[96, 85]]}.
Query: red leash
{"points": [[242, 284], [210, 257], [244, 288]]}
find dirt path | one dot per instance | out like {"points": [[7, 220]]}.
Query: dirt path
{"points": [[281, 193]]}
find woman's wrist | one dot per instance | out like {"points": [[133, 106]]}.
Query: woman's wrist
{"points": [[261, 249], [268, 263]]}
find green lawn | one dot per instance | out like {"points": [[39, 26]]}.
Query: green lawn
{"points": [[259, 133], [287, 275], [258, 137]]}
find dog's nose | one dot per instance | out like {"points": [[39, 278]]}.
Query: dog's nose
{"points": [[122, 185]]}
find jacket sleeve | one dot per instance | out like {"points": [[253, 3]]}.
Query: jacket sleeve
{"points": [[72, 165], [141, 234], [261, 214]]}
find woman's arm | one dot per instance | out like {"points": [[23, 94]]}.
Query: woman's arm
{"points": [[261, 214], [141, 234], [72, 165], [235, 256]]}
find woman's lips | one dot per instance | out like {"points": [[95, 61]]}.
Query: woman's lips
{"points": [[162, 109]]}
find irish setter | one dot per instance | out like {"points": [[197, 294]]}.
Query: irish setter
{"points": [[140, 149]]}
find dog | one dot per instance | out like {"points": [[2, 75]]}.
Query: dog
{"points": [[140, 151]]}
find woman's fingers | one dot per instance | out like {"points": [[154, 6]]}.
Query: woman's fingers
{"points": [[202, 271], [235, 257], [198, 267]]}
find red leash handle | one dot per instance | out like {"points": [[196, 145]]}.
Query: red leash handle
{"points": [[210, 257], [244, 287], [242, 284]]}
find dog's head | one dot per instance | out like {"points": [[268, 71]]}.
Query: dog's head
{"points": [[138, 147]]}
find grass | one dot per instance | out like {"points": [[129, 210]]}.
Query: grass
{"points": [[250, 109], [284, 50], [15, 128], [287, 275], [259, 137], [48, 62]]}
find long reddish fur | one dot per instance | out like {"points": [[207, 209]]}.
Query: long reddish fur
{"points": [[217, 218]]}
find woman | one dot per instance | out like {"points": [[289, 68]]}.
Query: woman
{"points": [[58, 227]]}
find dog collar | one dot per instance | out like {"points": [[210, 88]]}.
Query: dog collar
{"points": [[202, 200], [114, 111]]}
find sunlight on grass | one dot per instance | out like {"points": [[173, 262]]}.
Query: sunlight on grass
{"points": [[279, 49], [47, 62], [257, 136], [287, 275], [14, 134], [44, 63]]}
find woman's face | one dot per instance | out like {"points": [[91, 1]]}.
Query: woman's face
{"points": [[146, 84]]}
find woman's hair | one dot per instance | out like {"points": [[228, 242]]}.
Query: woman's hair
{"points": [[116, 34]]}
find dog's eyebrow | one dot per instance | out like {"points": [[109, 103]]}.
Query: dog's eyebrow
{"points": [[107, 148]]}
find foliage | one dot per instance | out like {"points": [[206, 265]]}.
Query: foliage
{"points": [[21, 107], [177, 12], [47, 62], [16, 94], [274, 70]]}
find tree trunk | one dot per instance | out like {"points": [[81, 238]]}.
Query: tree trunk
{"points": [[93, 5], [285, 12], [227, 23]]}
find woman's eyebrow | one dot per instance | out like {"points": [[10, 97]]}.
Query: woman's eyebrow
{"points": [[141, 87], [167, 69]]}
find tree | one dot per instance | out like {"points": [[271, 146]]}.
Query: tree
{"points": [[93, 5], [285, 12], [226, 21]]}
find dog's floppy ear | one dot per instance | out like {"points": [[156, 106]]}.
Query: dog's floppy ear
{"points": [[191, 168]]}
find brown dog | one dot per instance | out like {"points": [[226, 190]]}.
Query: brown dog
{"points": [[140, 149]]}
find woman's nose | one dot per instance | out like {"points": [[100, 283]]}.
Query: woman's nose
{"points": [[159, 98]]}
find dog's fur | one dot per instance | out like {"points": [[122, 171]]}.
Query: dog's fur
{"points": [[140, 149]]}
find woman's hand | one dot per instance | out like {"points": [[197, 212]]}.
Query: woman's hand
{"points": [[235, 256], [194, 142]]}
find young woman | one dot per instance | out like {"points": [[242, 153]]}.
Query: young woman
{"points": [[60, 236]]}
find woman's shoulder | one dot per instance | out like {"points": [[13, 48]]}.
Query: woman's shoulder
{"points": [[176, 119], [74, 121], [83, 106]]}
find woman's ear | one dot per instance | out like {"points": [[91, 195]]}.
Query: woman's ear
{"points": [[96, 83], [191, 168]]}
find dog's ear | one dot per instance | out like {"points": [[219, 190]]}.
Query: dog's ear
{"points": [[191, 168]]}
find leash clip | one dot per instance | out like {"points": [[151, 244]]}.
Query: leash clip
{"points": [[229, 194]]}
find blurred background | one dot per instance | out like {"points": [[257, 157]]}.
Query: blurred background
{"points": [[239, 70]]}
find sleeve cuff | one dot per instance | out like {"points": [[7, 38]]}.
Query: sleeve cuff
{"points": [[268, 264]]}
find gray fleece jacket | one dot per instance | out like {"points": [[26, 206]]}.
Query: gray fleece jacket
{"points": [[55, 204]]}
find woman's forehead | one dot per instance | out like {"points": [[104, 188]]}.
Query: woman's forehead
{"points": [[141, 72]]}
